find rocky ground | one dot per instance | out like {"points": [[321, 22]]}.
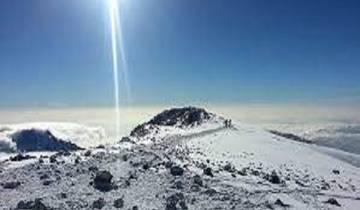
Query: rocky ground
{"points": [[180, 171]]}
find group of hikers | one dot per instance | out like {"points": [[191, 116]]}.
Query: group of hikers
{"points": [[227, 123]]}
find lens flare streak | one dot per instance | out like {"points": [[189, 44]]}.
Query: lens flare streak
{"points": [[114, 14]]}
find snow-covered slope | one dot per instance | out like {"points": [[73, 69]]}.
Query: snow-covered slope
{"points": [[203, 166]]}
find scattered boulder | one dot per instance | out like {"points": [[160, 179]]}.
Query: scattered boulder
{"points": [[11, 185], [242, 172], [21, 157], [31, 205], [176, 171], [87, 153], [101, 146], [99, 203], [135, 208], [208, 171], [337, 172], [47, 182], [175, 202], [178, 185], [197, 180], [53, 158], [119, 203], [273, 178], [280, 203], [102, 181], [332, 201], [210, 192], [229, 168]]}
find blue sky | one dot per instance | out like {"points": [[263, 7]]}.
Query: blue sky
{"points": [[55, 53]]}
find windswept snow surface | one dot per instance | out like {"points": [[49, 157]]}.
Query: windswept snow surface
{"points": [[203, 167], [80, 135]]}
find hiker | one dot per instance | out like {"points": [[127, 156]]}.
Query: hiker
{"points": [[226, 123]]}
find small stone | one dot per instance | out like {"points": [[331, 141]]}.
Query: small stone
{"points": [[44, 176], [337, 172], [208, 171], [102, 181], [77, 160], [280, 203], [178, 185], [52, 158], [210, 192], [229, 168], [177, 171], [135, 208], [35, 205], [333, 201], [99, 203], [242, 172], [11, 185], [47, 182], [21, 157], [119, 203], [273, 178], [62, 195], [101, 146], [198, 180], [93, 169], [87, 153]]}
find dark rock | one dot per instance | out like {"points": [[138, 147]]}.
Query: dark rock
{"points": [[242, 172], [119, 203], [93, 169], [99, 203], [77, 160], [175, 201], [40, 140], [146, 166], [135, 208], [87, 153], [102, 181], [176, 171], [10, 185], [178, 185], [168, 164], [125, 157], [47, 182], [332, 201], [273, 178], [62, 195], [63, 153], [44, 176], [208, 171], [337, 172], [31, 205], [229, 168], [21, 157], [210, 192], [101, 146], [53, 158], [280, 203], [126, 139], [197, 180]]}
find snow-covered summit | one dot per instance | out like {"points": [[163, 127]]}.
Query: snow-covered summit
{"points": [[175, 121]]}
